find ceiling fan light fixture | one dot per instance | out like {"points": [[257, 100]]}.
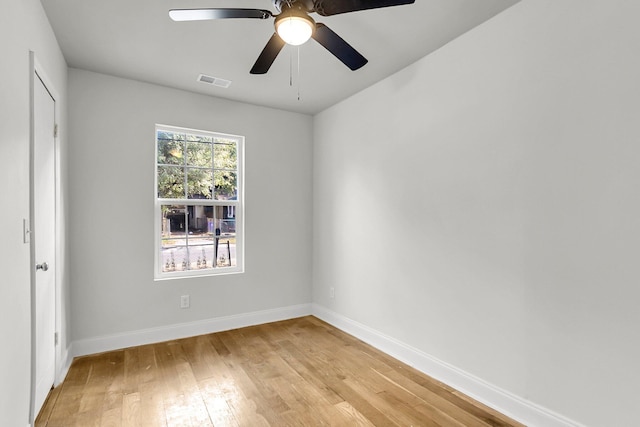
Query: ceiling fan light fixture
{"points": [[294, 29]]}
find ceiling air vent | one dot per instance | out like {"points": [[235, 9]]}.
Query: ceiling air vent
{"points": [[214, 81]]}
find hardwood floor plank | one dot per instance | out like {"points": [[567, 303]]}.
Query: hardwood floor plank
{"points": [[131, 371], [148, 370], [152, 412], [193, 397], [201, 356], [230, 382], [243, 360], [353, 416], [416, 395], [299, 372], [308, 373], [110, 418], [440, 418], [216, 398], [67, 407], [400, 414], [131, 410], [48, 406]]}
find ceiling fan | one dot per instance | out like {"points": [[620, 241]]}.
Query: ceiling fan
{"points": [[294, 26]]}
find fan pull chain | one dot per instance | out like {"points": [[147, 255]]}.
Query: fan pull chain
{"points": [[290, 68], [298, 73]]}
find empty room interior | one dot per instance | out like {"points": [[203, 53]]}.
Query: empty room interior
{"points": [[447, 190]]}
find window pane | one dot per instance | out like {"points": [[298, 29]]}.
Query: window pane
{"points": [[198, 220], [225, 235], [197, 237], [170, 148], [201, 237], [170, 182], [225, 251], [226, 184], [225, 156], [199, 154], [199, 183], [201, 251], [174, 243]]}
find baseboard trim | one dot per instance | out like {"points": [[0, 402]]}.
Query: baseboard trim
{"points": [[501, 400], [63, 366], [184, 330]]}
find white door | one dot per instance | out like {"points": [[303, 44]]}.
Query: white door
{"points": [[43, 236]]}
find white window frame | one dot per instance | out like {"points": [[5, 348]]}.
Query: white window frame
{"points": [[238, 206]]}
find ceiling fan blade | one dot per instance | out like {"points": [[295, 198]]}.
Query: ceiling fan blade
{"points": [[334, 7], [340, 48], [206, 14], [268, 55]]}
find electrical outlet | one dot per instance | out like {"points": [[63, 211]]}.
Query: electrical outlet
{"points": [[332, 292], [184, 301]]}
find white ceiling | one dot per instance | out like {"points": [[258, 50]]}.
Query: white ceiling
{"points": [[137, 40]]}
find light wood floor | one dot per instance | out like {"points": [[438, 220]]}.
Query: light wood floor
{"points": [[300, 372]]}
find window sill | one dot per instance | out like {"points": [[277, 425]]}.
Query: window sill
{"points": [[221, 271]]}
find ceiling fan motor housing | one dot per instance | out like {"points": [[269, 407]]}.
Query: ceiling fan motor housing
{"points": [[304, 5]]}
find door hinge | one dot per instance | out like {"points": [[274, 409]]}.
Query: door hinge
{"points": [[55, 338], [26, 231], [55, 130]]}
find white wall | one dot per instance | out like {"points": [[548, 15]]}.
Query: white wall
{"points": [[482, 206], [23, 27], [112, 161], [507, 246]]}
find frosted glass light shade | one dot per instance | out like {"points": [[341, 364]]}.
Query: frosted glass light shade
{"points": [[294, 30]]}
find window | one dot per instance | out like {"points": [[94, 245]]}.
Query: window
{"points": [[198, 204]]}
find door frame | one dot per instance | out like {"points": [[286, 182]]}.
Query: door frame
{"points": [[36, 71]]}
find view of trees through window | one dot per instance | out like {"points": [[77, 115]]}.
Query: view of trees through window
{"points": [[197, 199], [196, 167]]}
